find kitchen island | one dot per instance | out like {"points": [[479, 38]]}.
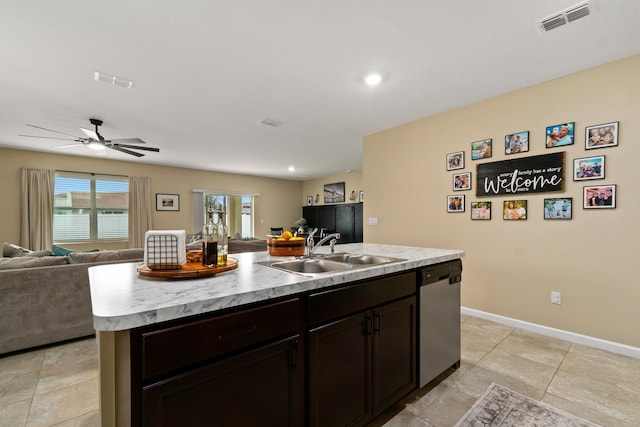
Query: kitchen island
{"points": [[254, 325]]}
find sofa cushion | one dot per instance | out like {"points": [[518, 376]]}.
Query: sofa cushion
{"points": [[9, 250], [86, 257], [29, 262], [39, 254], [134, 253]]}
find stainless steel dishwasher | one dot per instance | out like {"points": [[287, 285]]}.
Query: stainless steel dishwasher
{"points": [[439, 319]]}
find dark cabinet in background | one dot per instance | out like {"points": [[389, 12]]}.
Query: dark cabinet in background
{"points": [[345, 219]]}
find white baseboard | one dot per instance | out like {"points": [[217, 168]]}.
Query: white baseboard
{"points": [[611, 346]]}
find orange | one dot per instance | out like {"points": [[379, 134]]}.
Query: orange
{"points": [[286, 235]]}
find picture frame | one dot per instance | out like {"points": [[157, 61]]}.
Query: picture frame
{"points": [[455, 203], [586, 168], [167, 202], [481, 149], [601, 136], [462, 181], [361, 196], [481, 211], [599, 196], [560, 135], [514, 210], [455, 160], [334, 193], [309, 200], [516, 142], [558, 208]]}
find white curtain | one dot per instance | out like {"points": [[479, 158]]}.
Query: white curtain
{"points": [[36, 203], [140, 209]]}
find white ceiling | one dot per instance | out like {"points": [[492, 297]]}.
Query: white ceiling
{"points": [[206, 72]]}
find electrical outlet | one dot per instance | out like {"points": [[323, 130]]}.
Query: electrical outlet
{"points": [[556, 298]]}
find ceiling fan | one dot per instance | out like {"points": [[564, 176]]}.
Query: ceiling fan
{"points": [[94, 140]]}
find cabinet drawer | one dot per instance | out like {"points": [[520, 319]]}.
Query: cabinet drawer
{"points": [[341, 302], [179, 346]]}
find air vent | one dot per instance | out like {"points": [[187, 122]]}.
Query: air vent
{"points": [[566, 16], [114, 80], [270, 122]]}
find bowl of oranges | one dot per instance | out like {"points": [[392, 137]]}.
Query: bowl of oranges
{"points": [[286, 245]]}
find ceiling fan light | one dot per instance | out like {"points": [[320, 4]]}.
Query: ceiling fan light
{"points": [[98, 146]]}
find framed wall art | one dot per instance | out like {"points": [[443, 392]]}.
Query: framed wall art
{"points": [[514, 209], [361, 196], [455, 203], [559, 135], [334, 193], [588, 168], [558, 208], [455, 160], [167, 202], [462, 181], [516, 142], [309, 200], [481, 149], [480, 210], [599, 197], [601, 136]]}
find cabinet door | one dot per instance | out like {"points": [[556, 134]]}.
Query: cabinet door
{"points": [[345, 223], [358, 221], [340, 372], [394, 352], [257, 388]]}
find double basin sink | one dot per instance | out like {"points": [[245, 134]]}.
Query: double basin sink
{"points": [[324, 264]]}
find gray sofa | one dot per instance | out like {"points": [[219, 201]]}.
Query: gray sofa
{"points": [[46, 299]]}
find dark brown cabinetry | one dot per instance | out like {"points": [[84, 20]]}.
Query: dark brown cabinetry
{"points": [[361, 364], [345, 219]]}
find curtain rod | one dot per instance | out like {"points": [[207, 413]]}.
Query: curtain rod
{"points": [[94, 173]]}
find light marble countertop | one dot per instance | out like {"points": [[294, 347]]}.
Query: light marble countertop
{"points": [[122, 299]]}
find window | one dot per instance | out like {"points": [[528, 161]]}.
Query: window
{"points": [[238, 210], [90, 207]]}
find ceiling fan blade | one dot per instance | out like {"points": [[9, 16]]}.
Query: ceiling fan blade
{"points": [[127, 141], [91, 134], [50, 130], [135, 147], [68, 145], [124, 150], [50, 137]]}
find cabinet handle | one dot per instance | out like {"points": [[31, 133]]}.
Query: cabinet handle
{"points": [[238, 333], [376, 322], [368, 329]]}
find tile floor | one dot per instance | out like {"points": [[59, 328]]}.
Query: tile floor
{"points": [[58, 386]]}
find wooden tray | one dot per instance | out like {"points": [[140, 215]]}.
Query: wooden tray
{"points": [[189, 270]]}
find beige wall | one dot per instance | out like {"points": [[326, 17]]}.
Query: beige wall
{"points": [[511, 267], [352, 182], [278, 203]]}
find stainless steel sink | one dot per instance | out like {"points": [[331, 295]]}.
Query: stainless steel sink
{"points": [[361, 259], [325, 264]]}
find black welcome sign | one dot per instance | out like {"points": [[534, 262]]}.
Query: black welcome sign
{"points": [[534, 174]]}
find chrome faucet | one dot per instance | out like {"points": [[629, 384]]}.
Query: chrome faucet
{"points": [[311, 247]]}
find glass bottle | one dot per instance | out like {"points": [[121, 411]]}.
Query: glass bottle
{"points": [[223, 240], [209, 242]]}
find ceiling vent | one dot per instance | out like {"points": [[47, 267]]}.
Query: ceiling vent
{"points": [[573, 13], [270, 122]]}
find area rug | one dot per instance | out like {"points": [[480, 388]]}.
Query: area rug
{"points": [[499, 406]]}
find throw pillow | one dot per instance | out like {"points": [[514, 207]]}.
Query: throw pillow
{"points": [[10, 250], [60, 251]]}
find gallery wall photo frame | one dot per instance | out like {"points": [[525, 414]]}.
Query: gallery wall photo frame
{"points": [[455, 203], [334, 193], [455, 160], [586, 168], [309, 200], [516, 142], [462, 181], [481, 211], [167, 202], [601, 136], [599, 196], [560, 135], [514, 209], [558, 208], [361, 196], [481, 149]]}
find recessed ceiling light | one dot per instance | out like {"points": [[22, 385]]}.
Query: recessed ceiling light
{"points": [[292, 169], [373, 79]]}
